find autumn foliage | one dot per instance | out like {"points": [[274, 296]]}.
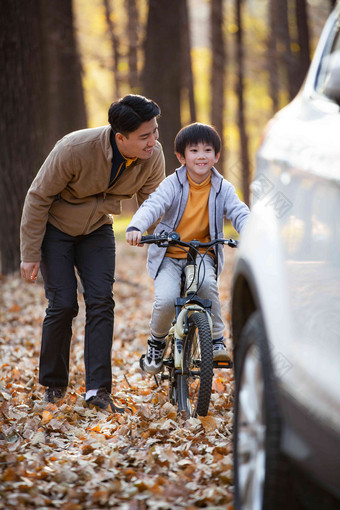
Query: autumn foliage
{"points": [[72, 457]]}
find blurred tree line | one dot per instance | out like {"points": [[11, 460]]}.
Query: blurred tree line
{"points": [[232, 63]]}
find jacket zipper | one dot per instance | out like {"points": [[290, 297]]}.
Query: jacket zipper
{"points": [[175, 223], [180, 202], [218, 192], [216, 229]]}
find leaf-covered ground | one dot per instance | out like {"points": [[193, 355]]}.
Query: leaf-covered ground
{"points": [[71, 457]]}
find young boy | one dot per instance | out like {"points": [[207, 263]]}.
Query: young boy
{"points": [[193, 202]]}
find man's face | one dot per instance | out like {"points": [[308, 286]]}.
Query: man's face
{"points": [[139, 143]]}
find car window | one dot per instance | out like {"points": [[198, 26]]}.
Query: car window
{"points": [[328, 79]]}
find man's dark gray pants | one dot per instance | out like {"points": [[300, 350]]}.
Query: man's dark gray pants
{"points": [[93, 256]]}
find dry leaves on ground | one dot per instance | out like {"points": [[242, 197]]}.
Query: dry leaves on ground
{"points": [[71, 457]]}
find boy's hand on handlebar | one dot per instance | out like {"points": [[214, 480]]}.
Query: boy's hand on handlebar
{"points": [[133, 237]]}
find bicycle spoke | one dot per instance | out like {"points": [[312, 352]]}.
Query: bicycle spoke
{"points": [[194, 386]]}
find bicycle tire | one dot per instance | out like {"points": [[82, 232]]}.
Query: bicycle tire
{"points": [[194, 384]]}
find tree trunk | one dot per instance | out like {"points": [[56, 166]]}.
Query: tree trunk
{"points": [[23, 117], [303, 37], [217, 72], [186, 65], [272, 56], [240, 95], [133, 31], [161, 76], [115, 49], [41, 100], [284, 38], [62, 68]]}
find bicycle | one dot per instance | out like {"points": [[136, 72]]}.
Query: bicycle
{"points": [[188, 357]]}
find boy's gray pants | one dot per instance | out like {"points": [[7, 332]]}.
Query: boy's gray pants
{"points": [[168, 286]]}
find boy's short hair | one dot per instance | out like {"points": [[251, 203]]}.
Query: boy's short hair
{"points": [[129, 112], [196, 133]]}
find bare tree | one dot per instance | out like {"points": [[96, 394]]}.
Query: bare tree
{"points": [[272, 56], [38, 67], [133, 30], [240, 113], [62, 71], [115, 48], [23, 117], [284, 38], [161, 75], [303, 38], [217, 71], [186, 64], [284, 66]]}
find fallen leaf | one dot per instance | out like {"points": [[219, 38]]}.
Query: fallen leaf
{"points": [[72, 457], [46, 417], [209, 423]]}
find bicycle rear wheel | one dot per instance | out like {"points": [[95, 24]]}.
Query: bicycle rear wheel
{"points": [[194, 385]]}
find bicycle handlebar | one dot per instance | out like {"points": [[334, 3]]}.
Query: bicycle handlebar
{"points": [[166, 239]]}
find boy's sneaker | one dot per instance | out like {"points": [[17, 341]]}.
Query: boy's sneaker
{"points": [[220, 352], [54, 393], [152, 362], [103, 400]]}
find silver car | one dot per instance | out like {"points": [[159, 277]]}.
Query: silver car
{"points": [[286, 303]]}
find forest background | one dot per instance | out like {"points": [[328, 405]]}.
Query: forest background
{"points": [[232, 63]]}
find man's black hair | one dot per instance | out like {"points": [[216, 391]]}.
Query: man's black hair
{"points": [[129, 112], [196, 133]]}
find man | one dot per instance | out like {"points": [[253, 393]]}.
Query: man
{"points": [[66, 225]]}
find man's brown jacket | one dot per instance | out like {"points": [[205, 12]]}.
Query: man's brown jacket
{"points": [[71, 189]]}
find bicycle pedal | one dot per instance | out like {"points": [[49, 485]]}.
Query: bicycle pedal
{"points": [[168, 362], [223, 364]]}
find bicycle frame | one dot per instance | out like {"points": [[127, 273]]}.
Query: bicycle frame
{"points": [[190, 361], [187, 305], [189, 302]]}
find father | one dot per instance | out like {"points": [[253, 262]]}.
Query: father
{"points": [[66, 225]]}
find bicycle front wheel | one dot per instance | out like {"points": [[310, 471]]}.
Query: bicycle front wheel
{"points": [[194, 384]]}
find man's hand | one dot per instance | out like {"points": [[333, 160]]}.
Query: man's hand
{"points": [[29, 271], [133, 237]]}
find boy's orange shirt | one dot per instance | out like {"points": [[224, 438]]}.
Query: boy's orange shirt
{"points": [[194, 223]]}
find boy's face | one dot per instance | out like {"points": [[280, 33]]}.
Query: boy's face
{"points": [[139, 143], [199, 159]]}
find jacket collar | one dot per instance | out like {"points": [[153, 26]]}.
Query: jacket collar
{"points": [[116, 155], [216, 177]]}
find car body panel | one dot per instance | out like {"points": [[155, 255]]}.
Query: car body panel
{"points": [[289, 257]]}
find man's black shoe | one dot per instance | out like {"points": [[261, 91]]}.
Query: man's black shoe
{"points": [[103, 400], [54, 393]]}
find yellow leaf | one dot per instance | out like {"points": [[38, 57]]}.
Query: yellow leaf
{"points": [[46, 417]]}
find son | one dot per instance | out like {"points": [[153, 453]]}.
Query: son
{"points": [[193, 201]]}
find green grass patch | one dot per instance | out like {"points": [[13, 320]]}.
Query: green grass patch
{"points": [[229, 231], [119, 226]]}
